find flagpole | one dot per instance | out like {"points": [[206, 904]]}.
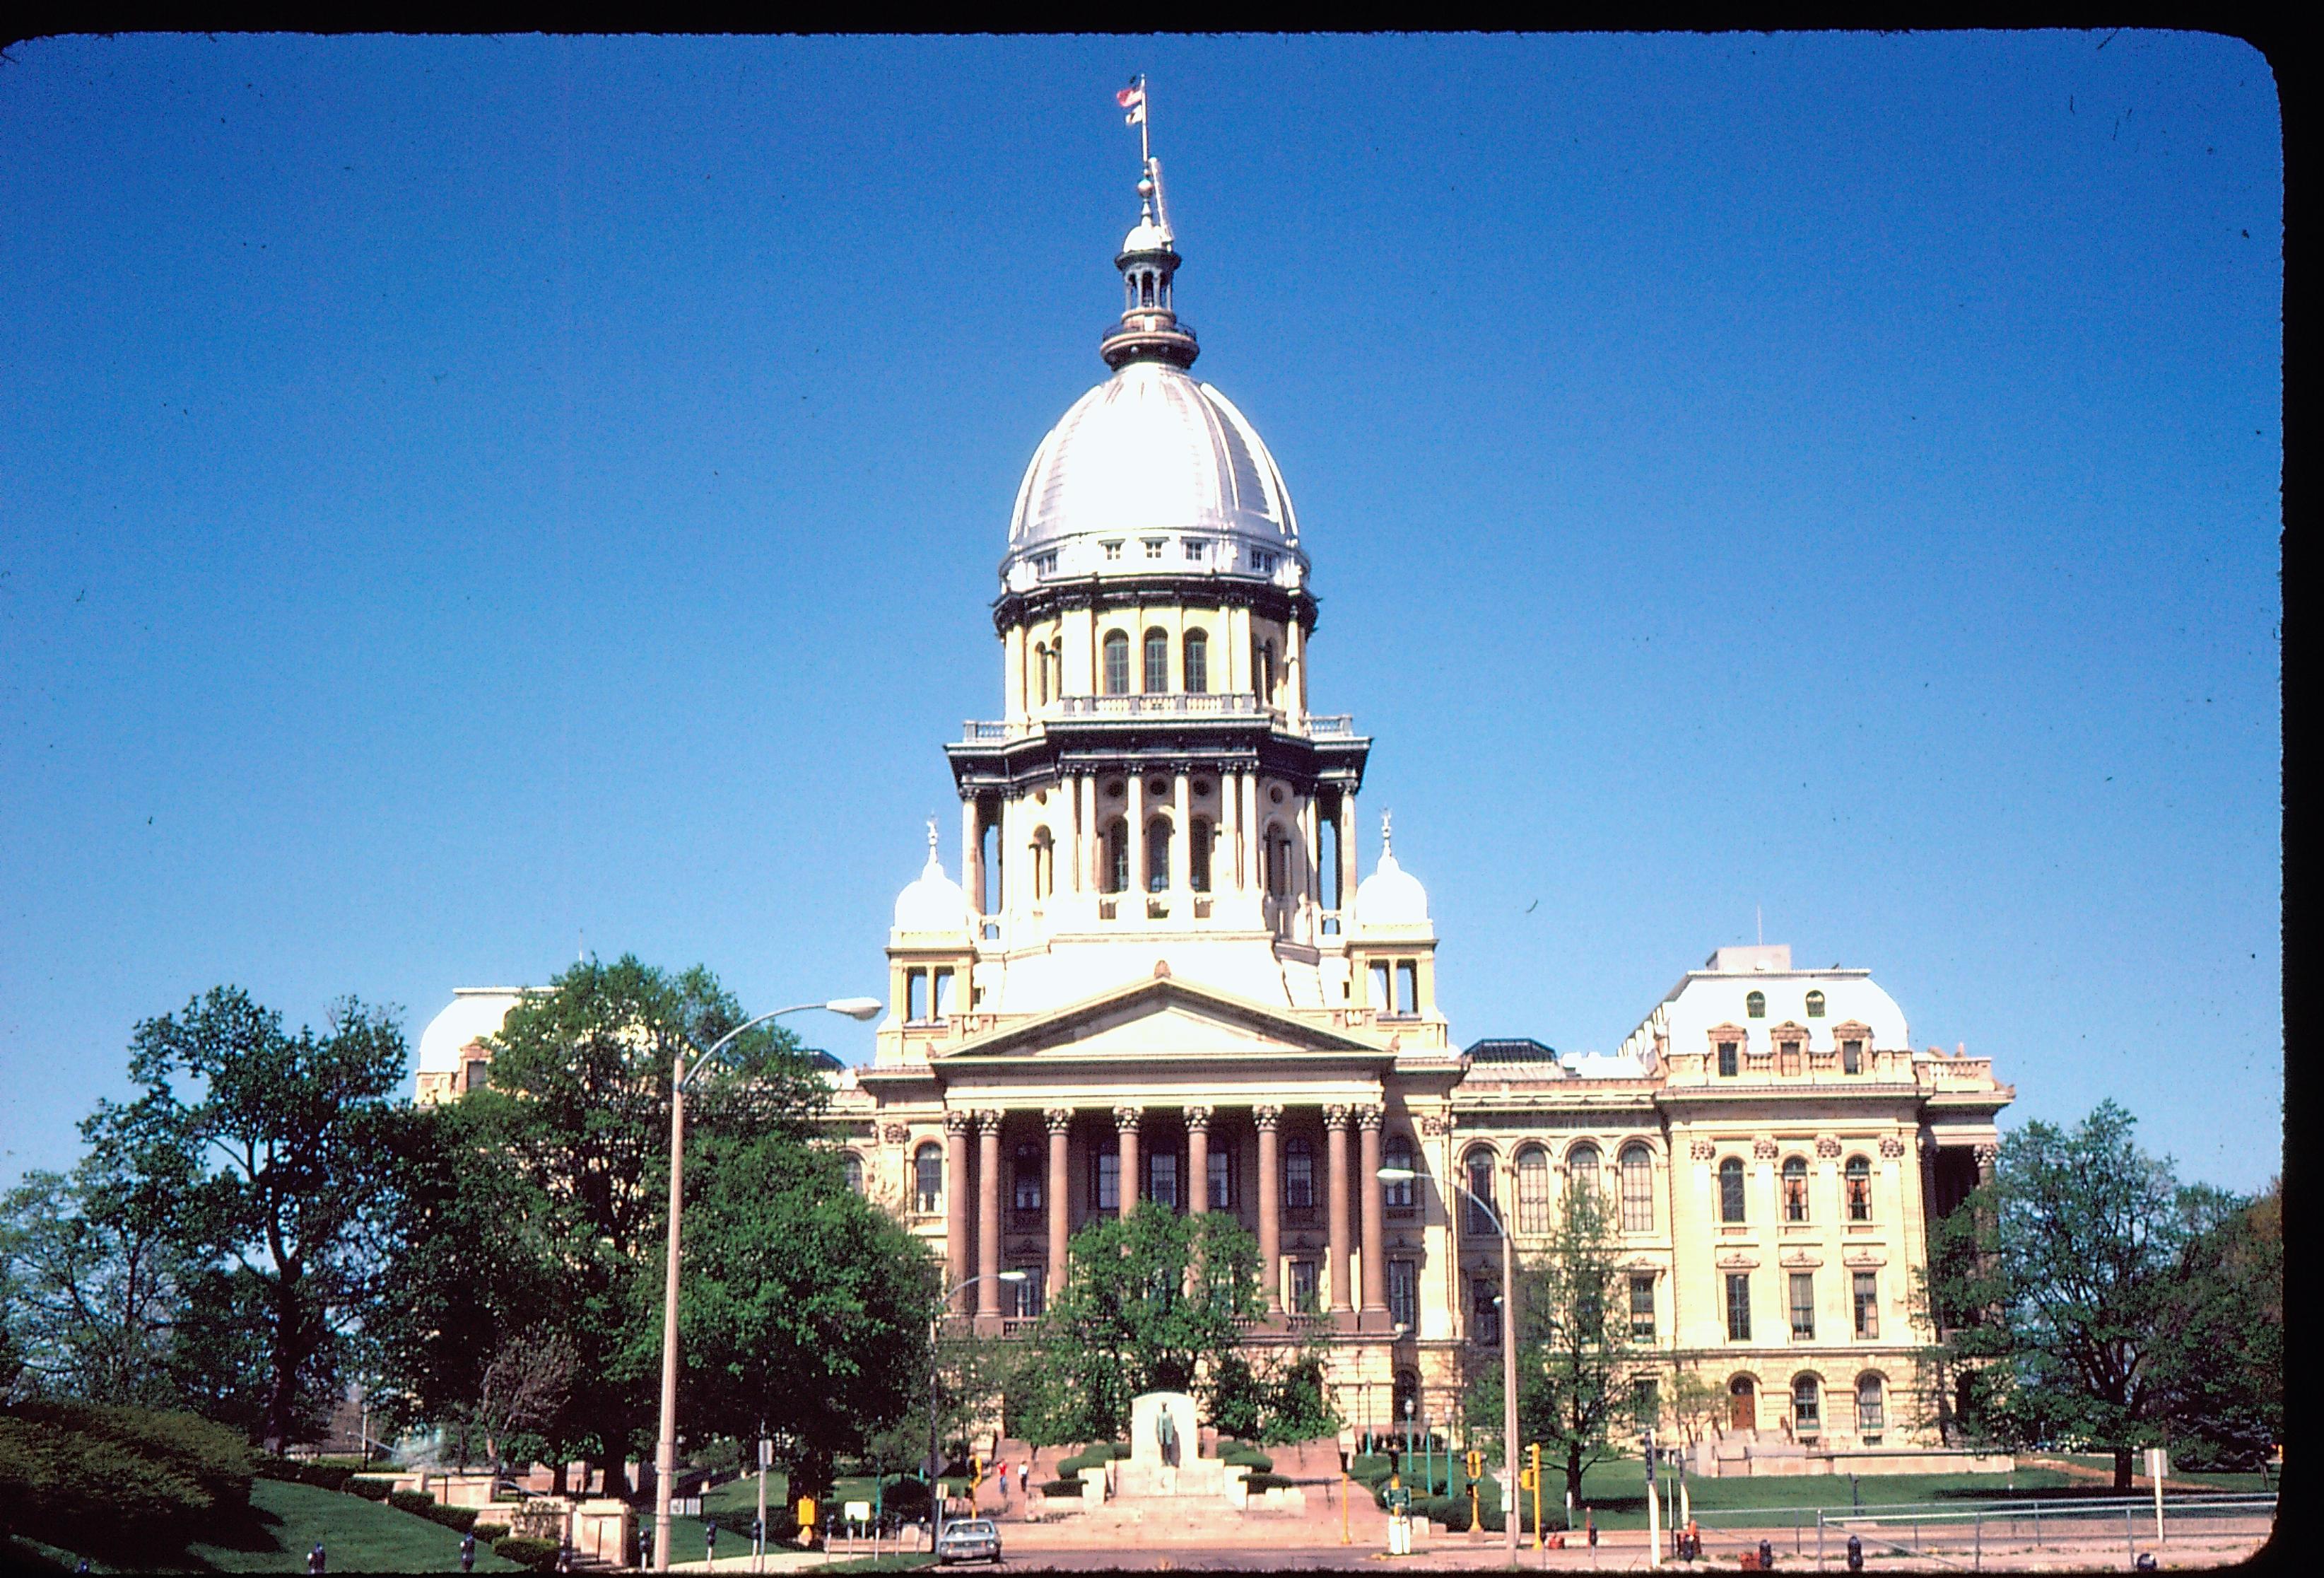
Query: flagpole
{"points": [[1145, 127]]}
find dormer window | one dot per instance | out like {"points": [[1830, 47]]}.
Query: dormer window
{"points": [[1154, 546], [1755, 1005], [1112, 551], [1261, 560], [1195, 548], [1045, 564]]}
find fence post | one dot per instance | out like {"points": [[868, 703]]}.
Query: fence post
{"points": [[1980, 1541], [1819, 1539], [2129, 1537]]}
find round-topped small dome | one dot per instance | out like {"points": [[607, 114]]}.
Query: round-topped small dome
{"points": [[1390, 896], [932, 902], [1153, 470]]}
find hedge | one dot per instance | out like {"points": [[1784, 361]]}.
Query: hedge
{"points": [[463, 1519], [1260, 1479], [1251, 1458], [117, 1481], [1062, 1488], [782, 1521], [537, 1554], [322, 1476], [370, 1487]]}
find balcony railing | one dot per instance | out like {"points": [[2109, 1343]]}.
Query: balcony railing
{"points": [[1238, 705]]}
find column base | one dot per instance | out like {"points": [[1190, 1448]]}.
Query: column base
{"points": [[987, 1326], [1343, 1320], [1375, 1321]]}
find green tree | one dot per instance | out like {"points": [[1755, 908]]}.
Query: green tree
{"points": [[1575, 1364], [2078, 1292], [1151, 1300], [284, 1139], [805, 1307], [2220, 1349]]}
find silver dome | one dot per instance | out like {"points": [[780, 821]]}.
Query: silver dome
{"points": [[1152, 456]]}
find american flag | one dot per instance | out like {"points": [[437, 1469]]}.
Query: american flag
{"points": [[1132, 99]]}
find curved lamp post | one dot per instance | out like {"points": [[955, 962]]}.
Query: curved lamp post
{"points": [[935, 1464], [681, 1074], [1508, 1347]]}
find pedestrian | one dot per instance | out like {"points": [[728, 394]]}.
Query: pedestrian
{"points": [[315, 1559], [468, 1551], [1024, 1471], [564, 1556], [710, 1542], [1691, 1543], [1767, 1556], [1854, 1555]]}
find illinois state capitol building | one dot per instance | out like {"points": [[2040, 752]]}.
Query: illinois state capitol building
{"points": [[1159, 977]]}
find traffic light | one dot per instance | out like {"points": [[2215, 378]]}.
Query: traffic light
{"points": [[1476, 1463], [975, 1473], [1528, 1478]]}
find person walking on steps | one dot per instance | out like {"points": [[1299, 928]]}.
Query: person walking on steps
{"points": [[315, 1559]]}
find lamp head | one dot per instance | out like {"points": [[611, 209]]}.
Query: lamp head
{"points": [[1396, 1175], [856, 1008], [1008, 1276]]}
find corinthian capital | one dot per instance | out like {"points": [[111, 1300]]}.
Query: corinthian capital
{"points": [[959, 1122], [1126, 1118], [1337, 1116], [1198, 1117], [1371, 1117], [1058, 1119], [1266, 1118]]}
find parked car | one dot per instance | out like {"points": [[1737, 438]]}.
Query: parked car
{"points": [[969, 1539]]}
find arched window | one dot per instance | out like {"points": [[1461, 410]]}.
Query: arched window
{"points": [[1859, 1189], [1158, 662], [1582, 1167], [1731, 1189], [1742, 1404], [1198, 663], [1815, 1005], [1398, 1154], [1795, 1188], [1279, 862], [1117, 856], [1298, 1173], [1479, 1165], [1041, 671], [1027, 1166], [1533, 1189], [1871, 1410], [1807, 1405], [1045, 864], [1117, 663], [1158, 854], [853, 1164], [1199, 836], [1755, 1006], [927, 1179], [1262, 668], [1637, 1189]]}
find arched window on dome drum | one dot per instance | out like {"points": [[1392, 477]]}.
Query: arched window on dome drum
{"points": [[1262, 668], [1637, 1189], [1582, 1167], [1298, 1174], [928, 1179], [1731, 1189], [1117, 663], [1198, 663], [1117, 856], [1041, 671], [1533, 1190], [1198, 855], [1859, 1189], [1158, 662], [1755, 1006], [1158, 854], [1278, 863], [1815, 1005], [1795, 1188], [1398, 1154], [1044, 854]]}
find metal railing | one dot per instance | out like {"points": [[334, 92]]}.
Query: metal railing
{"points": [[1953, 1535], [1242, 705]]}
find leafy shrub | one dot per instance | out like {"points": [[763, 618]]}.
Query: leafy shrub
{"points": [[1251, 1458], [540, 1554], [1118, 1451], [1062, 1488], [322, 1476], [463, 1519], [117, 1481], [370, 1487], [1260, 1479]]}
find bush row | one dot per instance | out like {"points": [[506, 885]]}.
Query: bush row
{"points": [[117, 1481], [370, 1487], [1062, 1488], [540, 1554], [462, 1519], [1096, 1455], [782, 1521]]}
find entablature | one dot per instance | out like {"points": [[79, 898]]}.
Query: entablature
{"points": [[1050, 598]]}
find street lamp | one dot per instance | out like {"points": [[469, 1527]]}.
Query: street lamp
{"points": [[1508, 1348], [935, 1463], [681, 1074]]}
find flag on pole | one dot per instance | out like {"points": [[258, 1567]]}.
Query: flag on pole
{"points": [[1132, 99]]}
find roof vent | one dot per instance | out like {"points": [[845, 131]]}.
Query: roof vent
{"points": [[1736, 961]]}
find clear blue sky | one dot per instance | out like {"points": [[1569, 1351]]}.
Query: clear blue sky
{"points": [[461, 497]]}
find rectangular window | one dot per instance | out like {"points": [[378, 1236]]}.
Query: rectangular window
{"points": [[1646, 1402], [1221, 1180], [1113, 551], [941, 996], [1638, 1190], [1485, 1310], [1867, 1304], [1871, 1416], [1198, 856], [1851, 1057], [1383, 998], [1117, 665], [1739, 1307], [1162, 1178], [476, 1075], [1303, 1288], [1261, 560], [1642, 1307], [1195, 550], [1802, 1306], [1727, 1060], [1030, 1293], [1407, 987], [1105, 1182], [1154, 547], [1404, 1294], [1198, 664], [1787, 1060], [1045, 564]]}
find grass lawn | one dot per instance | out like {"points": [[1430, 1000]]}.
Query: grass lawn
{"points": [[357, 1535], [1615, 1491]]}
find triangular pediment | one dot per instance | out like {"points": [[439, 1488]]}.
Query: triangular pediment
{"points": [[1165, 1019]]}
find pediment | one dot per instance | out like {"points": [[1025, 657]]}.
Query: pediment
{"points": [[1164, 1020]]}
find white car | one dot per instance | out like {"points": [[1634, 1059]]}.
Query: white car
{"points": [[969, 1539]]}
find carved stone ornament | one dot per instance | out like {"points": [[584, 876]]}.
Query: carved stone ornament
{"points": [[1126, 1118], [1765, 1149], [1058, 1119], [1827, 1147], [959, 1122], [1986, 1155], [1434, 1126], [1891, 1146], [1702, 1150], [1371, 1117], [1336, 1117], [1266, 1117], [1198, 1117], [895, 1133], [989, 1118]]}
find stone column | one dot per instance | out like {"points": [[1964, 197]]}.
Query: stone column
{"points": [[1125, 1123], [971, 862], [1335, 1145], [1270, 1207], [1369, 1189], [1348, 877], [1134, 790], [1061, 1204], [956, 1129], [1198, 1160], [987, 1216], [1182, 840]]}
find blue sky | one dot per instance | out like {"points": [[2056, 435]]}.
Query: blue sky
{"points": [[464, 499]]}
